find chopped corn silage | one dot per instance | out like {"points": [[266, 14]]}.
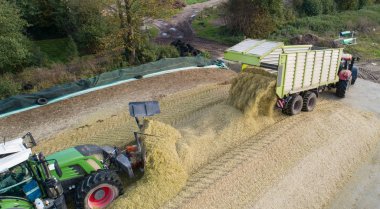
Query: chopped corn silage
{"points": [[202, 137], [164, 173], [300, 162], [253, 92]]}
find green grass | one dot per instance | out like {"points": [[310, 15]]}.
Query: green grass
{"points": [[205, 28], [194, 1], [57, 50]]}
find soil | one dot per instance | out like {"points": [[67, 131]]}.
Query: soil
{"points": [[370, 70], [179, 27]]}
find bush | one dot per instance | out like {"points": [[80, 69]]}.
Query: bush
{"points": [[363, 3], [152, 52], [167, 52], [312, 7], [253, 18], [328, 6], [8, 86], [347, 4]]}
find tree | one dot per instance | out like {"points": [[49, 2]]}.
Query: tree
{"points": [[363, 3], [14, 51], [312, 7], [89, 24], [347, 4], [254, 18], [130, 16], [46, 18], [328, 6]]}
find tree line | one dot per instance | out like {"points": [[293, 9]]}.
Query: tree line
{"points": [[91, 26], [259, 18]]}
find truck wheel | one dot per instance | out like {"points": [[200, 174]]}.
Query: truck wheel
{"points": [[294, 106], [309, 101], [98, 190]]}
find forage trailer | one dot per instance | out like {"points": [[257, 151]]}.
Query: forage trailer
{"points": [[303, 71]]}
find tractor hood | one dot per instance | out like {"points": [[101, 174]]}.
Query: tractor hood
{"points": [[66, 157], [78, 161]]}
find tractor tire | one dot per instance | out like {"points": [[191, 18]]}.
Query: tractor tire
{"points": [[353, 81], [342, 87], [98, 190], [294, 105], [309, 101]]}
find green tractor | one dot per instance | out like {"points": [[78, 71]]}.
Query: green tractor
{"points": [[90, 173]]}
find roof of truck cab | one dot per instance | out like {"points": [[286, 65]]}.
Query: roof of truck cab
{"points": [[13, 153]]}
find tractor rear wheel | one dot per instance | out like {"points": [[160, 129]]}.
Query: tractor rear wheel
{"points": [[98, 190], [309, 101], [294, 105]]}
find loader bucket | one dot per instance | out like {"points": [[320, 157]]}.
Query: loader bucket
{"points": [[143, 109]]}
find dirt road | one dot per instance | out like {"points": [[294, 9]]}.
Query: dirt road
{"points": [[179, 27], [370, 70]]}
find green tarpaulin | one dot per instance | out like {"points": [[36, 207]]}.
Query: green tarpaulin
{"points": [[23, 101]]}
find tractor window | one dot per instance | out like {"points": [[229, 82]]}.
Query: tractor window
{"points": [[12, 181]]}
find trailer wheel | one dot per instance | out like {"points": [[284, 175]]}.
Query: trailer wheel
{"points": [[309, 101], [294, 105], [98, 190]]}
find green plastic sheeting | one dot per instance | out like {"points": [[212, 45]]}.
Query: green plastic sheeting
{"points": [[19, 103]]}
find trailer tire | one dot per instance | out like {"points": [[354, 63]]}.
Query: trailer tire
{"points": [[309, 101], [98, 190], [294, 105]]}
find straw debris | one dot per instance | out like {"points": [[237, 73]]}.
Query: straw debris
{"points": [[253, 92]]}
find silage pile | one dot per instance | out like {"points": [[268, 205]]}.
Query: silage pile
{"points": [[254, 93], [164, 174], [200, 138]]}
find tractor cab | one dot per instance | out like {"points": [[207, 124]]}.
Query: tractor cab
{"points": [[14, 171], [25, 179]]}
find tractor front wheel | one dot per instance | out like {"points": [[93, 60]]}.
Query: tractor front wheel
{"points": [[98, 190]]}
